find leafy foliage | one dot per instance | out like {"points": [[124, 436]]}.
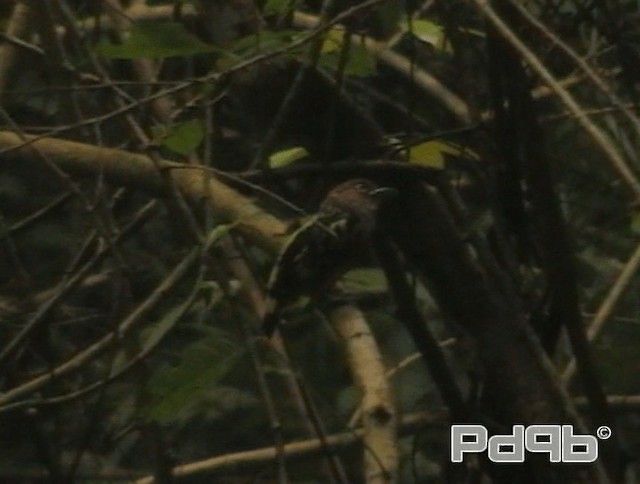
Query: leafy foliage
{"points": [[202, 366], [118, 364], [154, 40], [183, 138]]}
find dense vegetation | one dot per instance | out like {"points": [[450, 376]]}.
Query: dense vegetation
{"points": [[156, 156]]}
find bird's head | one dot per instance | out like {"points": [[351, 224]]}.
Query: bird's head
{"points": [[360, 191], [359, 199]]}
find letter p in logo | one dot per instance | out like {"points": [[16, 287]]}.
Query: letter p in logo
{"points": [[467, 438]]}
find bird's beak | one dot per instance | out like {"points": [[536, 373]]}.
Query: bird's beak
{"points": [[384, 193]]}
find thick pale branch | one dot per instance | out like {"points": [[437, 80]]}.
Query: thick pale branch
{"points": [[378, 412], [138, 172]]}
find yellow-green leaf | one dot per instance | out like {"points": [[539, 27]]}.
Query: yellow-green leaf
{"points": [[360, 61], [287, 157], [428, 32], [185, 137], [364, 280], [432, 153], [333, 40]]}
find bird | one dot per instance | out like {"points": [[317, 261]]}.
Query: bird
{"points": [[323, 248]]}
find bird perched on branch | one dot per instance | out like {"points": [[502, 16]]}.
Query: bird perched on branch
{"points": [[325, 247]]}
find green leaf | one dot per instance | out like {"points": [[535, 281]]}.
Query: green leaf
{"points": [[428, 32], [286, 157], [256, 44], [185, 137], [151, 336], [360, 63], [428, 154], [202, 366], [432, 153], [333, 40], [364, 280], [218, 232], [262, 42], [151, 40], [281, 7]]}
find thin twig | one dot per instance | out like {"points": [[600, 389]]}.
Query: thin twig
{"points": [[598, 136], [607, 307]]}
